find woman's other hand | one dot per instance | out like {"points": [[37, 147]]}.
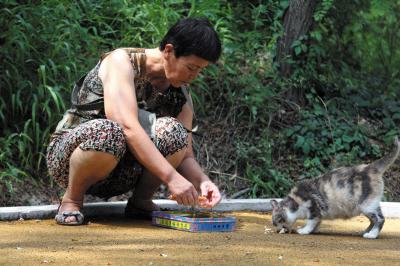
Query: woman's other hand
{"points": [[211, 192]]}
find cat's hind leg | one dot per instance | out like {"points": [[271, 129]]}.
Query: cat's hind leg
{"points": [[377, 220]]}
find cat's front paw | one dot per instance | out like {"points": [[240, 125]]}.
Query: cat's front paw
{"points": [[303, 231], [371, 235], [282, 231]]}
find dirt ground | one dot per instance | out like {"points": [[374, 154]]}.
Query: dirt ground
{"points": [[117, 241]]}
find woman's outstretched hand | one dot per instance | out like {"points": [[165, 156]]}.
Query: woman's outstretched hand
{"points": [[183, 192], [210, 193]]}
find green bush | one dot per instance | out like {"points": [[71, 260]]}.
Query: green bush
{"points": [[47, 45]]}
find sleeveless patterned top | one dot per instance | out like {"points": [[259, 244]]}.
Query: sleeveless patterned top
{"points": [[88, 95]]}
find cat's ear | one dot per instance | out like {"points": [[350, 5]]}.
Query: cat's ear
{"points": [[274, 204]]}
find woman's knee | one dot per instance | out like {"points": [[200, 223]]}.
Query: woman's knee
{"points": [[100, 135], [171, 136], [105, 136]]}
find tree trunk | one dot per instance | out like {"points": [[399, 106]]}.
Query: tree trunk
{"points": [[297, 22]]}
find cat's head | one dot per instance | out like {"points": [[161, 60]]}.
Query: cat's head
{"points": [[284, 214]]}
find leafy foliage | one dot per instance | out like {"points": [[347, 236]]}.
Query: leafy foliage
{"points": [[347, 68]]}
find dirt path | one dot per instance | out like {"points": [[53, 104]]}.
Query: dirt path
{"points": [[115, 241]]}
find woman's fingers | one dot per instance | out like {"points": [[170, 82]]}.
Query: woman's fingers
{"points": [[189, 199]]}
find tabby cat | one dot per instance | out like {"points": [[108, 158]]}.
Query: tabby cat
{"points": [[342, 193]]}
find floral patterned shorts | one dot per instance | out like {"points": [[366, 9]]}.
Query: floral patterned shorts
{"points": [[107, 136]]}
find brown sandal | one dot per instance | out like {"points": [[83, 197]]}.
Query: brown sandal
{"points": [[61, 217]]}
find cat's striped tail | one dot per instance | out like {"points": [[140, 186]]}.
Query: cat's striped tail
{"points": [[386, 161]]}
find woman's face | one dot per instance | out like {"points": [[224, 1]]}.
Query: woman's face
{"points": [[182, 70]]}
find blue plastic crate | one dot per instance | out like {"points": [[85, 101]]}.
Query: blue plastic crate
{"points": [[183, 221]]}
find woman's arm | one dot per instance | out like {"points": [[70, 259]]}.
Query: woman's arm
{"points": [[120, 105], [190, 168]]}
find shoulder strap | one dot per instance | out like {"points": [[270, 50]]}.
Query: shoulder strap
{"points": [[188, 98], [190, 103]]}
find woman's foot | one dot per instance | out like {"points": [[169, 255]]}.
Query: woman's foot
{"points": [[69, 213]]}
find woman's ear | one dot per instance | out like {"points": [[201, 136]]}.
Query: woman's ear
{"points": [[168, 50]]}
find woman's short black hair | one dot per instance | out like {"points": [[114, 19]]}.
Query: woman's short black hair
{"points": [[193, 36]]}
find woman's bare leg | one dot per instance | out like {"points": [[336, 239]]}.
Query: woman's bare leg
{"points": [[86, 168]]}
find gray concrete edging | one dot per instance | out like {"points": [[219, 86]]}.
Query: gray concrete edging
{"points": [[389, 209]]}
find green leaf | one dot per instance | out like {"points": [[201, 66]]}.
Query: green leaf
{"points": [[317, 36], [297, 50], [306, 148], [289, 132], [347, 139], [299, 142]]}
